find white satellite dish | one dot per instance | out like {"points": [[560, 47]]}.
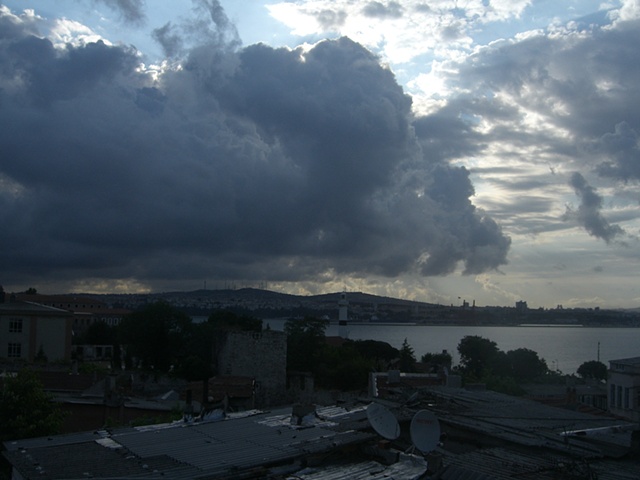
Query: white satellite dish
{"points": [[383, 421], [425, 431]]}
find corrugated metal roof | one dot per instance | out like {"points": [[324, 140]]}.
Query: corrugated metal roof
{"points": [[211, 449], [503, 464], [55, 440], [240, 443], [87, 460], [371, 470], [521, 421], [256, 444]]}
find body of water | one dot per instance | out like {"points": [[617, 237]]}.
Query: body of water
{"points": [[563, 348]]}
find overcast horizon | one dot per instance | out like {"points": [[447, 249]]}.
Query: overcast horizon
{"points": [[431, 151]]}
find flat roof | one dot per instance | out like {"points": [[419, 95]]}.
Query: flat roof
{"points": [[627, 361], [31, 308]]}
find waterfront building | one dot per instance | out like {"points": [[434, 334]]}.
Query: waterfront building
{"points": [[624, 388]]}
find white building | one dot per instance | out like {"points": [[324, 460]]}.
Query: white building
{"points": [[623, 386], [27, 329]]}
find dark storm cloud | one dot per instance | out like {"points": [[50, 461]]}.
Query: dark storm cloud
{"points": [[444, 135], [588, 214], [253, 163]]}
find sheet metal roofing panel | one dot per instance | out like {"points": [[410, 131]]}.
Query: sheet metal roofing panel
{"points": [[240, 443], [85, 460], [499, 463], [52, 441], [526, 415], [159, 442], [503, 464]]}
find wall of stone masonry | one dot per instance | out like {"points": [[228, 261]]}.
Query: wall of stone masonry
{"points": [[261, 355]]}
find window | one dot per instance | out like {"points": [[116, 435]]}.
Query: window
{"points": [[627, 397], [15, 325], [14, 350], [612, 395], [619, 396]]}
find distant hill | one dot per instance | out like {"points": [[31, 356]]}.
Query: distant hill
{"points": [[269, 304], [268, 295]]}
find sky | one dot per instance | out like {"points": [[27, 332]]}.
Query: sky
{"points": [[439, 151]]}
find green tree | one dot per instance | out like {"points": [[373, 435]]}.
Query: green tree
{"points": [[407, 357], [442, 359], [100, 333], [477, 355], [344, 368], [525, 365], [305, 343], [41, 357], [593, 369], [198, 362], [380, 353], [227, 320], [26, 410], [156, 335]]}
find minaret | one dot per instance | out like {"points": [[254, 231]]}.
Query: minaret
{"points": [[343, 303]]}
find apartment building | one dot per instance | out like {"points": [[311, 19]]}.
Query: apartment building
{"points": [[28, 330], [623, 386]]}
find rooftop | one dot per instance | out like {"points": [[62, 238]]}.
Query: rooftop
{"points": [[30, 308], [213, 449], [490, 436], [633, 361]]}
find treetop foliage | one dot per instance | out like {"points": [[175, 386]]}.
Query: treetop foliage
{"points": [[482, 360], [593, 369], [407, 357], [26, 410]]}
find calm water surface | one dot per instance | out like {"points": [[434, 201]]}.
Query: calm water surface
{"points": [[563, 348]]}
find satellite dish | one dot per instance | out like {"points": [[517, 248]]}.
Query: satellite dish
{"points": [[425, 431], [383, 421]]}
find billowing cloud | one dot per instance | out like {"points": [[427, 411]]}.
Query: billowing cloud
{"points": [[588, 214], [253, 163]]}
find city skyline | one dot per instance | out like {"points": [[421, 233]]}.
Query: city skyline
{"points": [[421, 150]]}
